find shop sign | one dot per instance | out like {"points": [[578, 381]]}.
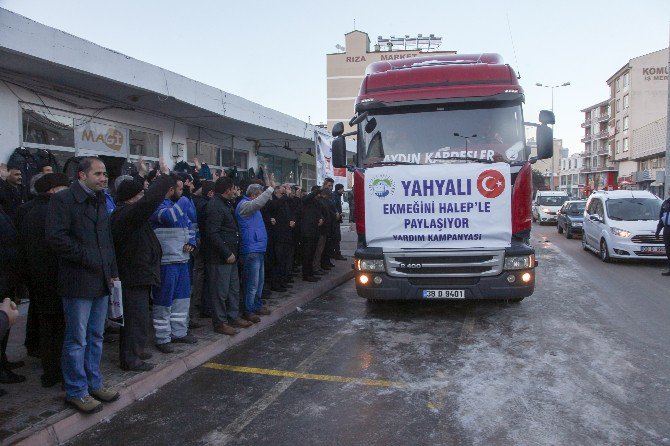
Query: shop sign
{"points": [[107, 139]]}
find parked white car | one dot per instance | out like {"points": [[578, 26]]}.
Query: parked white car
{"points": [[622, 224], [546, 205]]}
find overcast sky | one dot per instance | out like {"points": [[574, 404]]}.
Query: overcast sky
{"points": [[274, 53]]}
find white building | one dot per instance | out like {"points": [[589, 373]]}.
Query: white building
{"points": [[74, 97], [571, 177]]}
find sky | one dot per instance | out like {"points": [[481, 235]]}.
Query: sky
{"points": [[274, 53]]}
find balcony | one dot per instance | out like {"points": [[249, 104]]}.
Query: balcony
{"points": [[586, 124], [603, 151], [602, 135], [603, 118], [586, 138], [585, 169], [608, 166]]}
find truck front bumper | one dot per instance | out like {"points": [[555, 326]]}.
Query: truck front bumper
{"points": [[475, 288]]}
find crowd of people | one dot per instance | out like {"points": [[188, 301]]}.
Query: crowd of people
{"points": [[174, 243]]}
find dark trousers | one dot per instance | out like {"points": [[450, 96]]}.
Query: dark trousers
{"points": [[328, 249], [52, 334], [308, 252], [282, 262], [136, 324], [32, 342], [666, 241], [224, 292]]}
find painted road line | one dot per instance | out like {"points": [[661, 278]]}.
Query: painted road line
{"points": [[223, 436], [299, 375]]}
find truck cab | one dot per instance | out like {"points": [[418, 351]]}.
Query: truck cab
{"points": [[455, 118]]}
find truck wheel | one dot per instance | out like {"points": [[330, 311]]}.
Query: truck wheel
{"points": [[604, 252], [560, 228]]}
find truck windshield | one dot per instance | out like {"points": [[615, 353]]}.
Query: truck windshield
{"points": [[631, 209], [490, 131]]}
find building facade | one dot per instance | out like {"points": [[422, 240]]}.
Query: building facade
{"points": [[572, 179], [75, 98], [598, 166], [346, 69], [637, 124]]}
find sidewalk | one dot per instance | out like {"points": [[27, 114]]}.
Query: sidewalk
{"points": [[30, 414]]}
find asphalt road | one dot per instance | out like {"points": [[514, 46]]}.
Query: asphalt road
{"points": [[585, 360]]}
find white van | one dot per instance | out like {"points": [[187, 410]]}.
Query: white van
{"points": [[621, 224], [546, 205]]}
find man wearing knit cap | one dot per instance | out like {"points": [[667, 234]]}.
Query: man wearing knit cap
{"points": [[42, 265], [138, 256]]}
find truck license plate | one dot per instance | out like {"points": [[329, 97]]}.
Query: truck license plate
{"points": [[444, 294], [655, 249]]}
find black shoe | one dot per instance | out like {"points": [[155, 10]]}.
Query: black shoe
{"points": [[319, 273], [193, 324], [665, 273], [11, 365], [50, 381], [145, 355], [340, 257], [331, 264], [188, 339], [165, 348], [141, 367], [9, 377], [310, 279]]}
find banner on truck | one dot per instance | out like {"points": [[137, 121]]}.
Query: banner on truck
{"points": [[324, 161], [439, 206]]}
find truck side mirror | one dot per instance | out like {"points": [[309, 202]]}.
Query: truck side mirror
{"points": [[358, 119], [370, 125], [338, 129], [545, 142], [339, 152]]}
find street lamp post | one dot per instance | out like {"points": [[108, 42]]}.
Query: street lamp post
{"points": [[466, 139], [564, 84]]}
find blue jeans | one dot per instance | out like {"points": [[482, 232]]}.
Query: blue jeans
{"points": [[253, 273], [82, 347]]}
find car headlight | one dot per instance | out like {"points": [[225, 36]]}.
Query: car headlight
{"points": [[519, 262], [545, 210], [370, 265], [620, 232]]}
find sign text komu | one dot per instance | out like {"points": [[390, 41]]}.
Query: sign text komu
{"points": [[438, 206]]}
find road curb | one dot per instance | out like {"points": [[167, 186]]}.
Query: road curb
{"points": [[67, 424]]}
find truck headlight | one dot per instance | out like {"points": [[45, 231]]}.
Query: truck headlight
{"points": [[370, 265], [620, 232], [519, 262]]}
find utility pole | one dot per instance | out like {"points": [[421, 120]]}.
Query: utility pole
{"points": [[564, 84], [666, 181]]}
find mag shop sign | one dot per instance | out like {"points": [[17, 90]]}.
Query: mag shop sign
{"points": [[438, 206], [105, 139]]}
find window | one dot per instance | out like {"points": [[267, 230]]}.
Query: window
{"points": [[191, 149], [625, 102], [241, 159], [618, 105], [618, 147], [48, 129], [208, 153], [626, 80], [144, 143], [618, 84], [617, 127], [625, 123], [594, 161], [625, 144]]}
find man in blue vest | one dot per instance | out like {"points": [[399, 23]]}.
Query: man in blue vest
{"points": [[253, 244]]}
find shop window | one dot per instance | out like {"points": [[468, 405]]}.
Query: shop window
{"points": [[208, 153], [227, 159], [47, 129], [144, 143], [241, 160], [191, 149]]}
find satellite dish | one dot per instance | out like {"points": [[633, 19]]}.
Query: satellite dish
{"points": [[340, 47]]}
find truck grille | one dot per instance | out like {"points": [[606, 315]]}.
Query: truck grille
{"points": [[441, 264], [646, 239]]}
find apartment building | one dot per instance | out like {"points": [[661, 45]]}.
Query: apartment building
{"points": [[598, 165], [637, 122], [572, 179]]}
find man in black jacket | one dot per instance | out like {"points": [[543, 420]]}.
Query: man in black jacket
{"points": [[199, 289], [310, 230], [222, 236], [664, 225], [12, 193], [282, 222], [42, 269], [138, 256], [78, 231]]}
